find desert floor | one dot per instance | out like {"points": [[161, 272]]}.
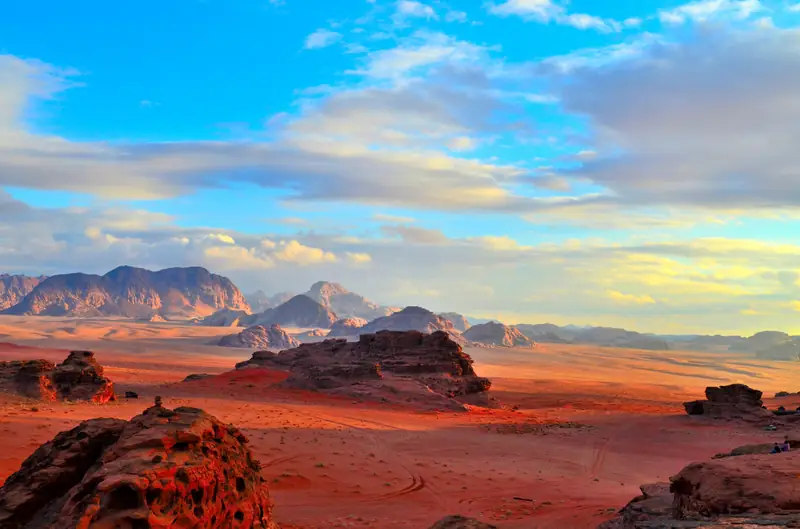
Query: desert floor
{"points": [[592, 425]]}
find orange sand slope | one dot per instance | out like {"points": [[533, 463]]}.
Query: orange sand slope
{"points": [[593, 424]]}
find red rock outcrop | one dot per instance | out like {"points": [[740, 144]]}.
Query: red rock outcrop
{"points": [[346, 327], [392, 366], [260, 337], [162, 470], [745, 491], [736, 401], [79, 377], [28, 378]]}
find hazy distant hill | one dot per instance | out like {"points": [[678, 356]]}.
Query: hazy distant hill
{"points": [[13, 288], [494, 333], [300, 311], [460, 322], [259, 301], [413, 319], [602, 336], [174, 293], [344, 303]]}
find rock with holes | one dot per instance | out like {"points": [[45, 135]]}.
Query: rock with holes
{"points": [[460, 522], [163, 469], [79, 377]]}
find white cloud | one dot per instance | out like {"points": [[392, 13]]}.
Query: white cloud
{"points": [[794, 8], [705, 10], [546, 11], [322, 38], [296, 253], [414, 9]]}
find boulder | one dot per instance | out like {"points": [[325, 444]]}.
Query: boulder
{"points": [[131, 395], [197, 376], [460, 522], [747, 491], [736, 401], [79, 377], [260, 337], [390, 365], [28, 378], [162, 469]]}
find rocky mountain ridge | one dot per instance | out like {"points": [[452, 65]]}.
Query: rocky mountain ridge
{"points": [[173, 293]]}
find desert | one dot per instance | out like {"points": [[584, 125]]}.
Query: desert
{"points": [[573, 437]]}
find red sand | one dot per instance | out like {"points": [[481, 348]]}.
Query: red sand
{"points": [[578, 448]]}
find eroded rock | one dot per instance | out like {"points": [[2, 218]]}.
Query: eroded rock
{"points": [[389, 365], [736, 401], [79, 377], [260, 337], [163, 469]]}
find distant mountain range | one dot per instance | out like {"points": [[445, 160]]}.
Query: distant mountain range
{"points": [[174, 293], [196, 293], [13, 288]]}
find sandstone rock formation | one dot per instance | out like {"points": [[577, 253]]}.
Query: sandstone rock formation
{"points": [[460, 323], [498, 334], [736, 401], [300, 311], [163, 469], [747, 491], [460, 522], [79, 377], [428, 369], [413, 319], [346, 327], [224, 318], [13, 288], [260, 337], [344, 303], [312, 334], [175, 293]]}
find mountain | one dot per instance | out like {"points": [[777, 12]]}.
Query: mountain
{"points": [[260, 337], [413, 319], [13, 288], [459, 322], [498, 334], [174, 293], [259, 301], [300, 311], [346, 304]]}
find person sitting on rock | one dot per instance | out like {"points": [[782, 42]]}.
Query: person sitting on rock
{"points": [[776, 449], [785, 446]]}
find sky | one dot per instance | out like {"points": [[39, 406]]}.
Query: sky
{"points": [[625, 163]]}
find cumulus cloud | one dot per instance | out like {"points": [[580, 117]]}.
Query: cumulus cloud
{"points": [[688, 131]]}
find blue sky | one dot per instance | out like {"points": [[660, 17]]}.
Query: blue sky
{"points": [[621, 163]]}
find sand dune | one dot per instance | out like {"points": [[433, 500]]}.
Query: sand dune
{"points": [[592, 425]]}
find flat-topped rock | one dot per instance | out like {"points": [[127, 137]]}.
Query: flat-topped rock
{"points": [[387, 365], [736, 401]]}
